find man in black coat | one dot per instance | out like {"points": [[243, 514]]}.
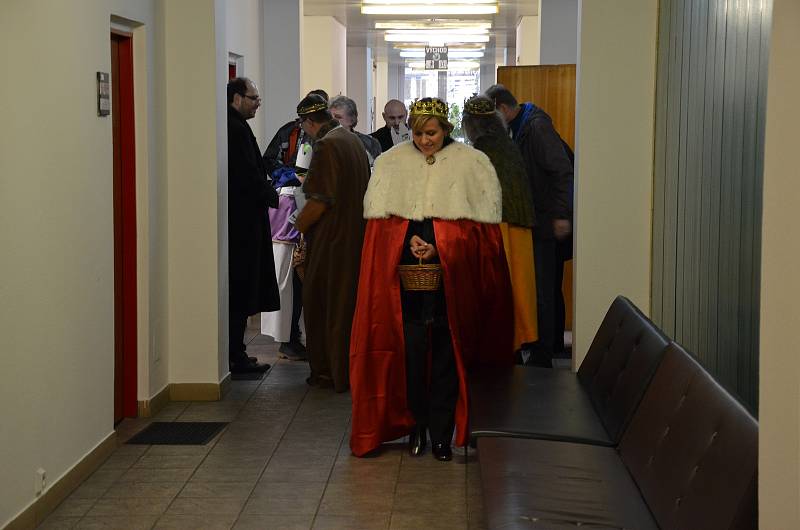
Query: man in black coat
{"points": [[253, 285], [394, 113], [550, 172]]}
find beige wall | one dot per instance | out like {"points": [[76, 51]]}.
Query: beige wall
{"points": [[196, 74], [613, 193], [56, 233], [243, 22], [779, 412], [527, 48], [325, 55]]}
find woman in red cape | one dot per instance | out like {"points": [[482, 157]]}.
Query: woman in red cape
{"points": [[410, 351]]}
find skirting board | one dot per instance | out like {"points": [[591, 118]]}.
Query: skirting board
{"points": [[199, 391], [183, 392], [44, 505], [151, 407]]}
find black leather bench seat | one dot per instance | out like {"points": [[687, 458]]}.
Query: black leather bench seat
{"points": [[525, 400], [552, 485]]}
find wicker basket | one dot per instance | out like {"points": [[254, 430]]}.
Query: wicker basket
{"points": [[421, 277]]}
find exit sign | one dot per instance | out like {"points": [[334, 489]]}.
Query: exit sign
{"points": [[436, 58]]}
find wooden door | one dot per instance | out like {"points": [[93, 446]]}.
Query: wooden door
{"points": [[122, 117], [552, 88]]}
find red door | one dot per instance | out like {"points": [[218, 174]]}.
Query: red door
{"points": [[122, 116], [231, 71]]}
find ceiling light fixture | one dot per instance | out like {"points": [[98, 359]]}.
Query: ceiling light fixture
{"points": [[419, 54], [429, 9], [434, 24], [436, 39]]}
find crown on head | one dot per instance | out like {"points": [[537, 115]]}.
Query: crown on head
{"points": [[312, 108], [479, 106], [431, 107]]}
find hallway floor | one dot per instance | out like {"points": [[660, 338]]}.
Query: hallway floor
{"points": [[283, 463]]}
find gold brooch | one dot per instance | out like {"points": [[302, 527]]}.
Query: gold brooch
{"points": [[431, 160]]}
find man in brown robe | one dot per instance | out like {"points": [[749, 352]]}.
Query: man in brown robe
{"points": [[333, 223]]}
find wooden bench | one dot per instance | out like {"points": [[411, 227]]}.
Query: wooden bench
{"points": [[686, 460], [593, 407]]}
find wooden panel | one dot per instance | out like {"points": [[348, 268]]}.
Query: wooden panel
{"points": [[551, 88], [711, 79]]}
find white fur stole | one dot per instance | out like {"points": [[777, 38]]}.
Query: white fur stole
{"points": [[461, 184]]}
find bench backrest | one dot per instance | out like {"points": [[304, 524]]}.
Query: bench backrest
{"points": [[693, 449], [620, 363]]}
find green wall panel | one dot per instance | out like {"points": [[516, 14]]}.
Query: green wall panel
{"points": [[711, 89]]}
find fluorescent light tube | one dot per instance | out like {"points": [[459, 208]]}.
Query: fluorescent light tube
{"points": [[428, 9]]}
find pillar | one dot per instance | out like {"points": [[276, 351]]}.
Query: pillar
{"points": [[558, 31], [779, 386], [283, 58], [613, 193]]}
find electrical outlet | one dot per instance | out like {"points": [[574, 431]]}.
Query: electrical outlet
{"points": [[40, 482]]}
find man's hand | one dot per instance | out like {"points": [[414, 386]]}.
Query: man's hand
{"points": [[421, 249], [561, 228]]}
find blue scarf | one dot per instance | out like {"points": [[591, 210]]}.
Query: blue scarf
{"points": [[526, 109]]}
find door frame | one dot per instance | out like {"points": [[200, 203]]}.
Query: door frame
{"points": [[125, 108]]}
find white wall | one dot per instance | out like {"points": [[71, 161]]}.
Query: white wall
{"points": [[324, 65], [613, 193], [283, 56], [244, 36], [358, 72], [381, 89], [779, 412], [528, 41], [197, 156], [56, 233], [558, 30]]}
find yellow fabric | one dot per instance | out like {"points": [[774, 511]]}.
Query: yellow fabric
{"points": [[518, 244]]}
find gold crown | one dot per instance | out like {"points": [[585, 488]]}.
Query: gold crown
{"points": [[478, 106], [432, 107], [310, 109]]}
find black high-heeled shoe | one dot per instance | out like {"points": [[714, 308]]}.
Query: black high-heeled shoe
{"points": [[417, 441], [442, 451]]}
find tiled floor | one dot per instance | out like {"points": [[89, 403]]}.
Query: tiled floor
{"points": [[283, 463]]}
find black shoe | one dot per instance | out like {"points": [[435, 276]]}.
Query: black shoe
{"points": [[417, 441], [288, 350], [248, 367], [442, 451]]}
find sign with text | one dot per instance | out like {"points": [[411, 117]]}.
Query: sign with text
{"points": [[436, 58]]}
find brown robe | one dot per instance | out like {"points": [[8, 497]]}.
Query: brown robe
{"points": [[333, 223]]}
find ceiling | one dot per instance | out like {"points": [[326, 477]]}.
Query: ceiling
{"points": [[361, 32]]}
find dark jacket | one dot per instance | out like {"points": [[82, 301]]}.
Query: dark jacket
{"points": [[282, 150], [549, 170], [372, 145], [253, 285], [518, 207], [384, 136]]}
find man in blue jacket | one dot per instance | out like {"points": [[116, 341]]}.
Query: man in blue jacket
{"points": [[551, 176]]}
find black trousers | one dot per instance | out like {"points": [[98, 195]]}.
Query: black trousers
{"points": [[544, 255], [237, 323], [431, 396]]}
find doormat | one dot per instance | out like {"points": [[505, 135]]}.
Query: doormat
{"points": [[248, 376], [177, 433]]}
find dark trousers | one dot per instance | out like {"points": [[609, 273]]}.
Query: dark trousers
{"points": [[431, 397], [297, 306], [544, 255], [237, 323]]}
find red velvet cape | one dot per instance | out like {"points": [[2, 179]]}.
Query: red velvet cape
{"points": [[479, 312]]}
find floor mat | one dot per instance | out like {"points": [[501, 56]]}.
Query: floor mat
{"points": [[177, 433]]}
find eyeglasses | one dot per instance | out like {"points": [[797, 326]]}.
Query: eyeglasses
{"points": [[252, 98]]}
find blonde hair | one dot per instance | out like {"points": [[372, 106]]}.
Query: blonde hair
{"points": [[417, 122]]}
